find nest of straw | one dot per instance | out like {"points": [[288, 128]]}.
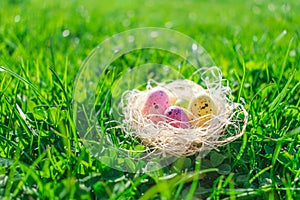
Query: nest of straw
{"points": [[225, 126]]}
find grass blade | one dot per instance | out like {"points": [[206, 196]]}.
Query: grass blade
{"points": [[14, 74]]}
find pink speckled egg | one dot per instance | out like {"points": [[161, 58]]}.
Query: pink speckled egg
{"points": [[156, 104], [177, 117]]}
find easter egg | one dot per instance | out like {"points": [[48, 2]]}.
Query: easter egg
{"points": [[155, 105], [177, 117], [172, 97], [184, 89], [201, 108], [184, 103]]}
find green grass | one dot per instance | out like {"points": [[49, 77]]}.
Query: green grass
{"points": [[43, 45]]}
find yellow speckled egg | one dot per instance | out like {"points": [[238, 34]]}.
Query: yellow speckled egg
{"points": [[201, 108]]}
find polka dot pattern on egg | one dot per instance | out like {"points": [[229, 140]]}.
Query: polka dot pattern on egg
{"points": [[201, 108]]}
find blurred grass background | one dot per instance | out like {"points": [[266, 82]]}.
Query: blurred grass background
{"points": [[45, 159]]}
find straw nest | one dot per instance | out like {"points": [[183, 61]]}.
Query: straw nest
{"points": [[226, 124]]}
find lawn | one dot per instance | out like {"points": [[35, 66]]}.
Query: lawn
{"points": [[43, 45]]}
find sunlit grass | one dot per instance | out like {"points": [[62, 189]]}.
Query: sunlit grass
{"points": [[42, 46]]}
